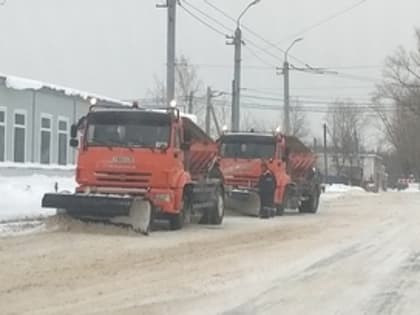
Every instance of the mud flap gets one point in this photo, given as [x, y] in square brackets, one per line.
[139, 217]
[244, 202]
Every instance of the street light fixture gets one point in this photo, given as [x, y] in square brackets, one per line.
[238, 21]
[286, 53]
[286, 69]
[236, 84]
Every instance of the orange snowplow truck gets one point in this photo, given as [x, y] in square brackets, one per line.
[136, 165]
[265, 174]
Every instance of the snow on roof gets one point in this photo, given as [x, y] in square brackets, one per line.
[191, 117]
[256, 134]
[18, 83]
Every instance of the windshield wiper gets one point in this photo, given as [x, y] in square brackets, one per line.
[109, 144]
[141, 145]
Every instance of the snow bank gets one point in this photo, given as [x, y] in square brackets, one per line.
[413, 187]
[37, 166]
[22, 195]
[338, 190]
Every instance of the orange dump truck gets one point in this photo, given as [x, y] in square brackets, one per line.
[267, 173]
[136, 165]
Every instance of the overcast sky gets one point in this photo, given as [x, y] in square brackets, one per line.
[116, 47]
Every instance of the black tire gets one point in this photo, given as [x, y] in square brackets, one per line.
[280, 210]
[265, 213]
[311, 204]
[177, 221]
[215, 214]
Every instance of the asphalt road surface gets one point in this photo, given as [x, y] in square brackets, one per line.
[359, 255]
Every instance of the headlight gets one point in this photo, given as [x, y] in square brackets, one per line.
[163, 197]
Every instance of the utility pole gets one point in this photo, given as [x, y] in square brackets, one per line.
[236, 114]
[208, 105]
[325, 155]
[210, 113]
[286, 88]
[286, 72]
[171, 46]
[236, 85]
[190, 103]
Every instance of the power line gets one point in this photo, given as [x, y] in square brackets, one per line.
[353, 67]
[269, 66]
[318, 88]
[207, 16]
[305, 96]
[324, 21]
[308, 100]
[202, 21]
[269, 43]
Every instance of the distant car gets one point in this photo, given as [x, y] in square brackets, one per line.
[372, 187]
[402, 183]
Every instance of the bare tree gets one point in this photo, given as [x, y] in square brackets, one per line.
[187, 81]
[298, 121]
[188, 84]
[397, 103]
[345, 127]
[158, 93]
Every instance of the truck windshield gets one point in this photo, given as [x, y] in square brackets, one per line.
[128, 129]
[248, 149]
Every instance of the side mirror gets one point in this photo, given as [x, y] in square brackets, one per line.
[73, 131]
[74, 143]
[185, 146]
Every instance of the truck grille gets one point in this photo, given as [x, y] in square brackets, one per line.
[242, 181]
[137, 178]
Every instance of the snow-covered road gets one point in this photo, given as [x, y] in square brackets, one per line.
[359, 254]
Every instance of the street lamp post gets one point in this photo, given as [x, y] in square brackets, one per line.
[236, 84]
[286, 69]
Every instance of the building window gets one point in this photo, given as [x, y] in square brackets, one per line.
[2, 134]
[19, 137]
[46, 130]
[63, 136]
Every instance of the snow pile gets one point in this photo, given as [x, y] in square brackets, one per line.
[338, 190]
[37, 166]
[22, 195]
[413, 187]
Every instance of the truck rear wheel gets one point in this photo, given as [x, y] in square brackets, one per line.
[311, 204]
[215, 214]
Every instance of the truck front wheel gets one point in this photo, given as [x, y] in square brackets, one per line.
[215, 214]
[311, 204]
[178, 220]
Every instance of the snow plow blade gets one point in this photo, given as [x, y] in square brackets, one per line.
[245, 202]
[119, 210]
